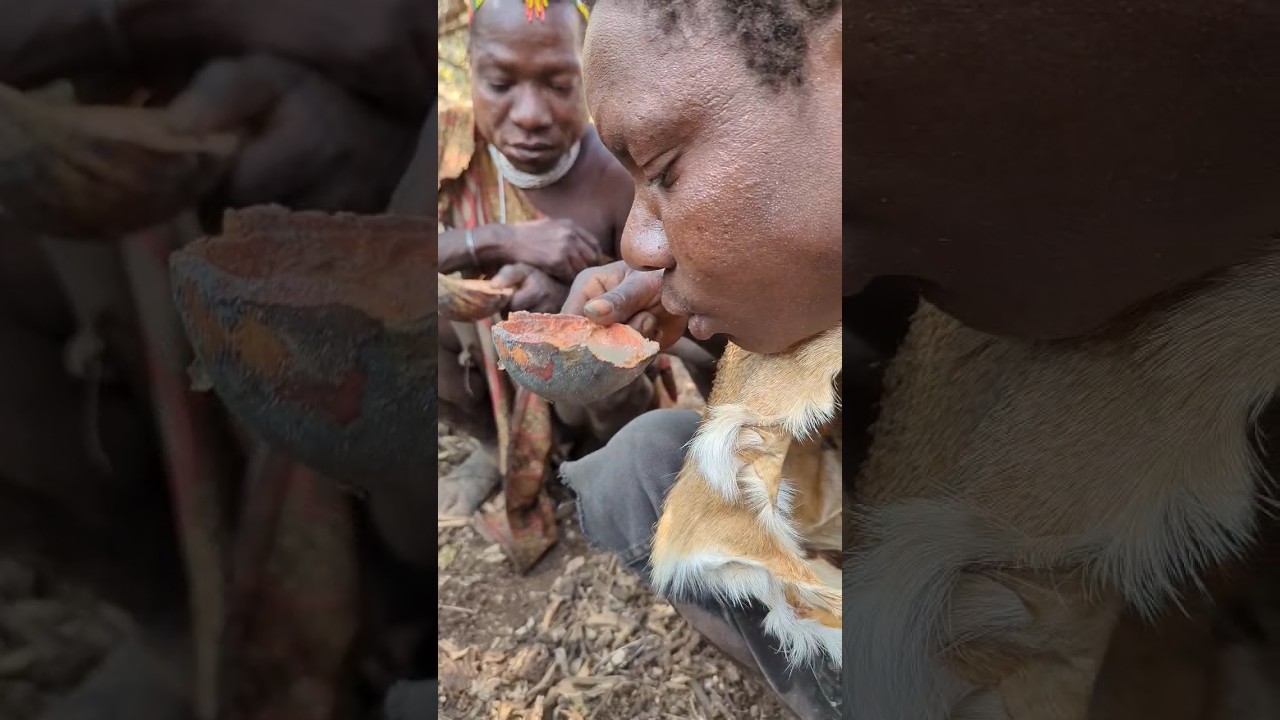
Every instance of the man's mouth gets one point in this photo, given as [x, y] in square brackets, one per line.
[530, 152]
[701, 326]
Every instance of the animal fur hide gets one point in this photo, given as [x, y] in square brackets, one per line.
[760, 494]
[1020, 495]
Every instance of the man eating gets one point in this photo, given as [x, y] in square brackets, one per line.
[727, 116]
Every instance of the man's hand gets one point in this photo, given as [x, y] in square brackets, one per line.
[615, 293]
[557, 247]
[535, 290]
[308, 143]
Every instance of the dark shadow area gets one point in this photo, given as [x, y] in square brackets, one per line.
[159, 559]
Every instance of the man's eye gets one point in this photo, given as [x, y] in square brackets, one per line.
[499, 86]
[665, 179]
[561, 84]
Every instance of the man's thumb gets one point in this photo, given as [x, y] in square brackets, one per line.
[636, 292]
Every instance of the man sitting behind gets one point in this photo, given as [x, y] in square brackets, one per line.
[526, 191]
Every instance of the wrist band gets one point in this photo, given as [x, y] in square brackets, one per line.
[471, 248]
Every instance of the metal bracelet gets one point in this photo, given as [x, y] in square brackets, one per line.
[471, 247]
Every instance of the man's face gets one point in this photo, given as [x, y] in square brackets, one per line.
[737, 184]
[526, 81]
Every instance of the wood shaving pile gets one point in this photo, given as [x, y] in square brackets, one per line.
[51, 636]
[577, 638]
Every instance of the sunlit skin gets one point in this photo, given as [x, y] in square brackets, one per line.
[737, 183]
[527, 100]
[527, 96]
[1045, 166]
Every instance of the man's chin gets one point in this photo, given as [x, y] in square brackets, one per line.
[751, 345]
[768, 345]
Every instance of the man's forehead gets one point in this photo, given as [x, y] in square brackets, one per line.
[622, 29]
[502, 29]
[623, 59]
[636, 77]
[614, 81]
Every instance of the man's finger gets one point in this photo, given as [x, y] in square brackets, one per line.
[527, 297]
[276, 165]
[589, 244]
[578, 263]
[228, 93]
[583, 289]
[636, 292]
[510, 276]
[590, 284]
[645, 323]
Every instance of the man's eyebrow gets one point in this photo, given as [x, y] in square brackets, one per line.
[615, 144]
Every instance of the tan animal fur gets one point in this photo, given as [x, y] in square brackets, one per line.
[759, 491]
[1019, 494]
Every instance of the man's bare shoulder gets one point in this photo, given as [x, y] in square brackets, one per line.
[613, 183]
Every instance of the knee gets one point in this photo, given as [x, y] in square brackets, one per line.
[640, 462]
[621, 486]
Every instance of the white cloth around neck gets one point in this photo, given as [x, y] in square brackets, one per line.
[530, 181]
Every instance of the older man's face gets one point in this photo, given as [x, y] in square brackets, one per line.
[526, 81]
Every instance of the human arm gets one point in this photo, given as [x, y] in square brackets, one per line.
[557, 247]
[489, 243]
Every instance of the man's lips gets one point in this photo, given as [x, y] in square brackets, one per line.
[673, 303]
[530, 149]
[701, 326]
[529, 159]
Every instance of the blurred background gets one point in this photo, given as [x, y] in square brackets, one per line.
[158, 559]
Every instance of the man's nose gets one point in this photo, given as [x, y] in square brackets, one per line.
[644, 241]
[530, 112]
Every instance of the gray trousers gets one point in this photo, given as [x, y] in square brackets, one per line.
[621, 489]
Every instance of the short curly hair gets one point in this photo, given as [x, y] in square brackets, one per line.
[773, 34]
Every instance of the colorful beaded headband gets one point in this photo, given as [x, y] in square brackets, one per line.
[538, 8]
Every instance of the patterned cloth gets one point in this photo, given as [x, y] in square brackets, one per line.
[467, 179]
[468, 185]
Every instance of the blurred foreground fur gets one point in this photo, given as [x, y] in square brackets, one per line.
[1020, 496]
[759, 496]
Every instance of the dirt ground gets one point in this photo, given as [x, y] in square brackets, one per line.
[577, 638]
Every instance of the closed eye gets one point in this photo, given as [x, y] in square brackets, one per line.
[665, 179]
